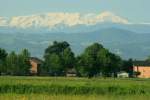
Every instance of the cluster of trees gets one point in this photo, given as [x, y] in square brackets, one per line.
[15, 64]
[58, 58]
[94, 61]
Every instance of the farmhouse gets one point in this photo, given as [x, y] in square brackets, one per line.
[143, 68]
[71, 72]
[35, 63]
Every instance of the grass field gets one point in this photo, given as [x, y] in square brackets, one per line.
[60, 88]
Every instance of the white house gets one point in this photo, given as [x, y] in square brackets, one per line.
[122, 74]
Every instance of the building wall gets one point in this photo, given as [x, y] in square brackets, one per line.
[144, 70]
[71, 75]
[34, 66]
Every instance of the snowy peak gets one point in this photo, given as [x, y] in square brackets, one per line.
[108, 16]
[3, 21]
[50, 20]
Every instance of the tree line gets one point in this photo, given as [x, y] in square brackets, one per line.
[59, 58]
[14, 64]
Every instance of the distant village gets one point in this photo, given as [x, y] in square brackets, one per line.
[59, 60]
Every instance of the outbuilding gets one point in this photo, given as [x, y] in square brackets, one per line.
[35, 64]
[122, 74]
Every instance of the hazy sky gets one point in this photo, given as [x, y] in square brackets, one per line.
[134, 10]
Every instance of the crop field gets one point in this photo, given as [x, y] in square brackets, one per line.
[61, 88]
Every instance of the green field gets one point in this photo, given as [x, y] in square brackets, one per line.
[61, 88]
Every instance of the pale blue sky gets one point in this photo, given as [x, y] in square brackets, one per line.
[134, 10]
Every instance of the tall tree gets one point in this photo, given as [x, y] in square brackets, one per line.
[3, 55]
[11, 63]
[128, 67]
[103, 57]
[55, 64]
[89, 65]
[116, 64]
[96, 60]
[18, 64]
[24, 62]
[58, 57]
[68, 58]
[57, 48]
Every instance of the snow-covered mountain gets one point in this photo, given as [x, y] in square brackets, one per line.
[51, 20]
[68, 23]
[127, 39]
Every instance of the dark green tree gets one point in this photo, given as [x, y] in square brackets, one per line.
[68, 58]
[58, 57]
[115, 64]
[3, 55]
[56, 66]
[128, 67]
[88, 63]
[97, 60]
[57, 48]
[24, 62]
[18, 64]
[11, 63]
[104, 60]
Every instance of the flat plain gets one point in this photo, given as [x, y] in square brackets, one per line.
[64, 88]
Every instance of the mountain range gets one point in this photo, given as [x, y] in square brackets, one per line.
[36, 32]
